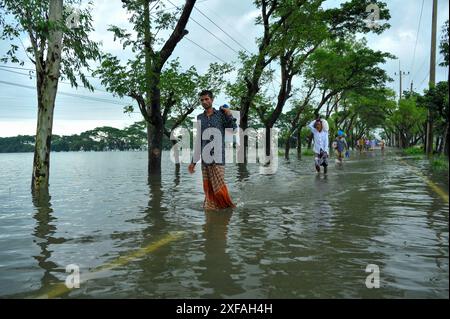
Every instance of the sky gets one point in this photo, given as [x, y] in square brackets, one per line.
[406, 39]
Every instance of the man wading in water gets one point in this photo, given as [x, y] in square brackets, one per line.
[211, 133]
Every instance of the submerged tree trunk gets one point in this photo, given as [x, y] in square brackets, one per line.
[287, 148]
[154, 158]
[41, 161]
[299, 143]
[242, 149]
[268, 149]
[47, 86]
[154, 63]
[310, 138]
[445, 141]
[438, 148]
[176, 154]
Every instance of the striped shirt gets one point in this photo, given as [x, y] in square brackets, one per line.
[219, 121]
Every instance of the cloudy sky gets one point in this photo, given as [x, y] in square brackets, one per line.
[81, 110]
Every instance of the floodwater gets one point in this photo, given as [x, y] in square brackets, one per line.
[294, 234]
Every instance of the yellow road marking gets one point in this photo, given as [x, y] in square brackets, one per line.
[438, 190]
[61, 288]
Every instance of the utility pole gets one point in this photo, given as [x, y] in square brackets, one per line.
[432, 83]
[411, 89]
[400, 73]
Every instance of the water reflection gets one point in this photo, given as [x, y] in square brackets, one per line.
[43, 232]
[217, 267]
[242, 172]
[154, 266]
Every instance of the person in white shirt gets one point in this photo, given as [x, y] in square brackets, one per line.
[319, 128]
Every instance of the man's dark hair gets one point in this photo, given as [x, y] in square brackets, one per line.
[206, 92]
[318, 121]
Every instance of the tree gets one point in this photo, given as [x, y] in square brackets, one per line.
[444, 50]
[57, 50]
[294, 121]
[363, 110]
[444, 46]
[408, 119]
[292, 30]
[337, 68]
[140, 78]
[435, 100]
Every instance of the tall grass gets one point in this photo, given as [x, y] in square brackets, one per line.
[439, 163]
[413, 151]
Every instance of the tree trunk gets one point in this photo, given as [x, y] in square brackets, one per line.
[445, 141]
[155, 136]
[299, 143]
[310, 138]
[154, 63]
[268, 148]
[176, 154]
[41, 161]
[47, 86]
[242, 172]
[243, 140]
[287, 148]
[436, 147]
[429, 138]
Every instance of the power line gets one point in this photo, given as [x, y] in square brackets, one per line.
[417, 38]
[420, 69]
[95, 99]
[34, 70]
[175, 7]
[154, 6]
[193, 42]
[34, 76]
[221, 29]
[199, 24]
[198, 45]
[15, 72]
[423, 80]
[227, 24]
[16, 68]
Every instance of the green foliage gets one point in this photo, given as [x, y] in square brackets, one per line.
[164, 93]
[307, 152]
[413, 151]
[409, 118]
[17, 144]
[351, 16]
[133, 137]
[373, 106]
[31, 18]
[347, 65]
[443, 46]
[440, 163]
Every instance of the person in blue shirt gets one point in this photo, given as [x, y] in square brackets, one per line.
[340, 144]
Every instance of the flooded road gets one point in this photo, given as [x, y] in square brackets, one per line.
[294, 234]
